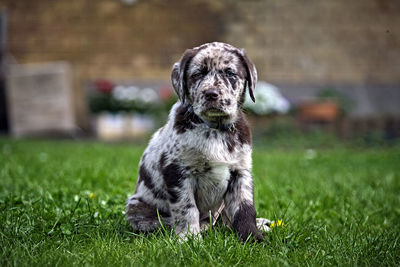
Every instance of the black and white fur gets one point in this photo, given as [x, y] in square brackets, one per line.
[199, 164]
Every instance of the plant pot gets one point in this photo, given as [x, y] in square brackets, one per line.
[327, 111]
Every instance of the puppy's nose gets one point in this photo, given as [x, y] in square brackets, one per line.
[211, 94]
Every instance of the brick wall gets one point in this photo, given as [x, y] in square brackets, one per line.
[109, 39]
[313, 41]
[321, 41]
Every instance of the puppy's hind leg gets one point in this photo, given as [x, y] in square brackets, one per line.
[144, 217]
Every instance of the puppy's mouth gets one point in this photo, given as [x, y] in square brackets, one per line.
[215, 114]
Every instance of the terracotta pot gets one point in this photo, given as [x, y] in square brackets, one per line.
[319, 111]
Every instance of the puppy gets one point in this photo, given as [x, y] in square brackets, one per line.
[198, 166]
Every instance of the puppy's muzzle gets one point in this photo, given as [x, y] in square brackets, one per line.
[211, 95]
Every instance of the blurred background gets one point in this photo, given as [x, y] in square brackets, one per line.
[101, 69]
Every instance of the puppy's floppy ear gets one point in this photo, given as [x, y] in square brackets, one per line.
[178, 75]
[251, 74]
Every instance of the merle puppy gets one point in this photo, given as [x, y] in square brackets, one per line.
[198, 166]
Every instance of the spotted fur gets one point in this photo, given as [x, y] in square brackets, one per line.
[199, 163]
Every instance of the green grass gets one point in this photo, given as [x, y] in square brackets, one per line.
[62, 203]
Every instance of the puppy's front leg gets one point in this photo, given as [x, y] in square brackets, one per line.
[184, 210]
[240, 204]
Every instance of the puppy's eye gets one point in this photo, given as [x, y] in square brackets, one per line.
[229, 73]
[199, 74]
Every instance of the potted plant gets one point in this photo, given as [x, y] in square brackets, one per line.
[328, 106]
[127, 111]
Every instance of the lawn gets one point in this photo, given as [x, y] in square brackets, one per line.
[62, 203]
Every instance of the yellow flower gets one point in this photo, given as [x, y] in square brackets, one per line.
[277, 223]
[91, 195]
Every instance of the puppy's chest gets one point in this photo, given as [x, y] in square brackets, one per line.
[210, 186]
[211, 145]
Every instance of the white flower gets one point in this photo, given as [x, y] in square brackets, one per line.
[310, 154]
[125, 93]
[148, 95]
[268, 99]
[43, 157]
[133, 93]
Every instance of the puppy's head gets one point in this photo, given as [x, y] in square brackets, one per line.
[212, 78]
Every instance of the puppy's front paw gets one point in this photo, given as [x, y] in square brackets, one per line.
[263, 224]
[186, 236]
[190, 232]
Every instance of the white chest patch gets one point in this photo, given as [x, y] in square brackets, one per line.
[210, 188]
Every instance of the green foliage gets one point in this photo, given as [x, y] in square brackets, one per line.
[62, 203]
[346, 104]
